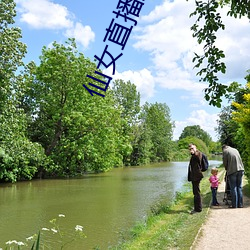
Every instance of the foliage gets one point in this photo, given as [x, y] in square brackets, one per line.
[142, 145]
[207, 24]
[156, 120]
[233, 123]
[227, 127]
[127, 99]
[215, 147]
[149, 131]
[20, 157]
[201, 146]
[12, 50]
[196, 131]
[79, 132]
[241, 115]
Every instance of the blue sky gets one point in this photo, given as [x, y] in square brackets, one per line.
[157, 57]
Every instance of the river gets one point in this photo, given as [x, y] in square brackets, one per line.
[104, 204]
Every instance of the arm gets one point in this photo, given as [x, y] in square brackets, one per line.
[224, 159]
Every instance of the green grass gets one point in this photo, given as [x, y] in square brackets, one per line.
[170, 226]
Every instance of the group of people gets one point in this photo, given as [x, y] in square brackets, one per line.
[234, 167]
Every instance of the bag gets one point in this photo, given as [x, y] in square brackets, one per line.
[204, 163]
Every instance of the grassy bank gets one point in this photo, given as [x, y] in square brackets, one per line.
[170, 227]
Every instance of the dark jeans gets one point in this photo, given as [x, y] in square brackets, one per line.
[235, 182]
[197, 196]
[214, 196]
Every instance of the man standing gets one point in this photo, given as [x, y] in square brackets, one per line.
[235, 170]
[195, 175]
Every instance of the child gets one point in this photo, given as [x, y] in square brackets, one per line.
[214, 185]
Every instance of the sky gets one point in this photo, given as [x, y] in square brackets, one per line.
[158, 54]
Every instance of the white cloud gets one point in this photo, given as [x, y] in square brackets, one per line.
[170, 42]
[165, 33]
[83, 34]
[143, 80]
[234, 41]
[44, 14]
[207, 122]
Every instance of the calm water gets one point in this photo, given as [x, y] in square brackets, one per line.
[104, 204]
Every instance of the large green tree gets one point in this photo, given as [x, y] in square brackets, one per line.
[19, 157]
[196, 131]
[79, 132]
[157, 122]
[227, 127]
[184, 142]
[210, 63]
[127, 99]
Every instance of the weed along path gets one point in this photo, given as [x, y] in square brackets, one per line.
[225, 228]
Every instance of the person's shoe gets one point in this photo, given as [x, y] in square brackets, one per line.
[217, 204]
[194, 212]
[241, 206]
[231, 206]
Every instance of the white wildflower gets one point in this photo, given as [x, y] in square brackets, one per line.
[10, 242]
[54, 230]
[61, 215]
[78, 228]
[29, 238]
[20, 243]
[45, 229]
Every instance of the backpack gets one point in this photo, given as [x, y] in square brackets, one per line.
[204, 163]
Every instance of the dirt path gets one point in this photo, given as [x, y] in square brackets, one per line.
[225, 228]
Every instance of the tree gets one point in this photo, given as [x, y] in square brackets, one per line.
[227, 127]
[196, 131]
[12, 50]
[127, 96]
[20, 158]
[79, 132]
[208, 23]
[128, 101]
[183, 144]
[229, 130]
[242, 117]
[157, 122]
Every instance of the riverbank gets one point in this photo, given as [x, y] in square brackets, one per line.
[173, 227]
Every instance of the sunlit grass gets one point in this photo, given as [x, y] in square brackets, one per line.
[170, 226]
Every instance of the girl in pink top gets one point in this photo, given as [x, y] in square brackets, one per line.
[214, 186]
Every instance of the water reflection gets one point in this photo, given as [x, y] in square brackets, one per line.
[105, 204]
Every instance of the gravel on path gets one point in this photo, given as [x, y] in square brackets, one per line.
[225, 228]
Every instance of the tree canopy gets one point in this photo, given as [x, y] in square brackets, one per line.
[196, 131]
[205, 29]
